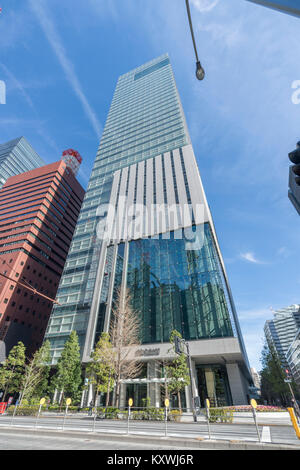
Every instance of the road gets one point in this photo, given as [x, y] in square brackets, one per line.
[31, 442]
[240, 432]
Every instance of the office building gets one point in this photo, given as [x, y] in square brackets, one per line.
[38, 214]
[17, 156]
[146, 157]
[256, 379]
[285, 6]
[281, 331]
[293, 359]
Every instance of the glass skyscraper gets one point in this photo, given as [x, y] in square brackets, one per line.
[282, 329]
[146, 156]
[17, 156]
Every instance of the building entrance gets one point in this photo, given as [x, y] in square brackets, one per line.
[213, 384]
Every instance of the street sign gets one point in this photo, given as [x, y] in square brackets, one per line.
[167, 403]
[207, 402]
[130, 402]
[42, 401]
[253, 403]
[288, 381]
[68, 401]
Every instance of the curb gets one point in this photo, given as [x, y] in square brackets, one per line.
[196, 444]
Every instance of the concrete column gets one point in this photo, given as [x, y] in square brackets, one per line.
[123, 403]
[210, 384]
[153, 389]
[90, 394]
[236, 383]
[188, 398]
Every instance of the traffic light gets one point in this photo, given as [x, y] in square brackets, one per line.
[288, 375]
[294, 156]
[177, 345]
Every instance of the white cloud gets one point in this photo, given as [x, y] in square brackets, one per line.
[55, 42]
[255, 314]
[15, 84]
[250, 257]
[204, 5]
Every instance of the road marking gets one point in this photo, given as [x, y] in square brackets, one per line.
[266, 434]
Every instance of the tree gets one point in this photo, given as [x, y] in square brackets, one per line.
[11, 373]
[36, 373]
[124, 333]
[177, 372]
[100, 370]
[68, 377]
[273, 387]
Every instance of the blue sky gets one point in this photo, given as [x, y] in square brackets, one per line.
[61, 59]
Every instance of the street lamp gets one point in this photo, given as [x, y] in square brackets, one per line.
[200, 74]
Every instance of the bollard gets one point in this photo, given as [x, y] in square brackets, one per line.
[40, 407]
[128, 418]
[42, 402]
[95, 417]
[68, 402]
[167, 403]
[294, 421]
[130, 403]
[207, 406]
[15, 410]
[166, 421]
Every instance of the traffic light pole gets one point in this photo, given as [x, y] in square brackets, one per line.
[191, 380]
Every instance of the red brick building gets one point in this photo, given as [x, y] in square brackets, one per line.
[38, 215]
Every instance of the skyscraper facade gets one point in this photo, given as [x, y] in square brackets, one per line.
[176, 279]
[293, 358]
[17, 156]
[282, 329]
[286, 6]
[38, 214]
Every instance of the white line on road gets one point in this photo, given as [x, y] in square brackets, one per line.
[266, 434]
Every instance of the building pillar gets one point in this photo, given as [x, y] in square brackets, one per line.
[188, 398]
[237, 385]
[123, 403]
[153, 389]
[90, 395]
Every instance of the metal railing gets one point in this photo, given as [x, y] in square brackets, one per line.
[212, 423]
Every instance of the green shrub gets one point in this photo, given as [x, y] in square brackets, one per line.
[23, 410]
[109, 413]
[220, 415]
[174, 415]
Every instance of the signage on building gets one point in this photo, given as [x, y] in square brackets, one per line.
[147, 352]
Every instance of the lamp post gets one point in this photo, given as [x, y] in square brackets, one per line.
[200, 74]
